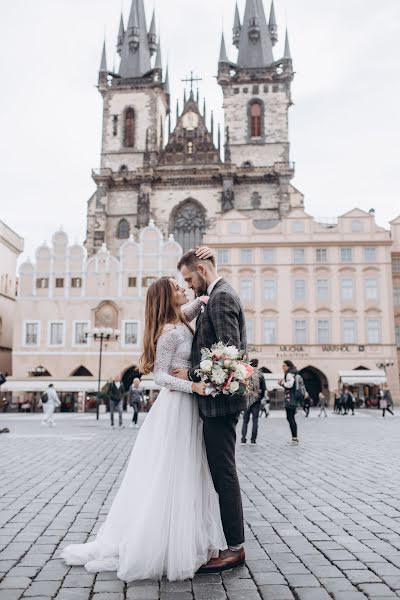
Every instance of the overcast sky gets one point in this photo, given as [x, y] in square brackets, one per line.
[344, 124]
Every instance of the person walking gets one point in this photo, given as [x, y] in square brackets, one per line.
[323, 403]
[254, 410]
[307, 404]
[350, 402]
[336, 406]
[294, 389]
[116, 393]
[386, 401]
[265, 408]
[50, 401]
[136, 396]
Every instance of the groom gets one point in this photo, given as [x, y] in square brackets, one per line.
[222, 320]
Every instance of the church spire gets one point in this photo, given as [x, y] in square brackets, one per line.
[103, 64]
[237, 27]
[287, 54]
[222, 54]
[135, 52]
[121, 35]
[255, 44]
[273, 28]
[152, 36]
[158, 63]
[166, 81]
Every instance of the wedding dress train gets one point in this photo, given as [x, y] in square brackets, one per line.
[165, 518]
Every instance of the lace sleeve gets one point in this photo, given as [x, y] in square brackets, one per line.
[166, 347]
[192, 310]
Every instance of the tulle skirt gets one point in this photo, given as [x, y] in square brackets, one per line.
[165, 518]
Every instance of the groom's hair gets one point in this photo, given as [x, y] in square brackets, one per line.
[190, 260]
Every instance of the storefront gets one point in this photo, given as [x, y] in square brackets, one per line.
[364, 383]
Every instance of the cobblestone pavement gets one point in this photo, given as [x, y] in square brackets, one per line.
[322, 519]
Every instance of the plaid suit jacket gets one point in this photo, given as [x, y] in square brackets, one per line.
[222, 320]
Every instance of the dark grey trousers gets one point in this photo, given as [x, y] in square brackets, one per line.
[220, 441]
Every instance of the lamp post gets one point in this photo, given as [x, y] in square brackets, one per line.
[385, 364]
[101, 334]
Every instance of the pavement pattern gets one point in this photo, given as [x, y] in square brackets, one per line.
[322, 519]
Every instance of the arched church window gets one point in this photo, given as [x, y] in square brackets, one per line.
[188, 224]
[129, 128]
[256, 124]
[123, 229]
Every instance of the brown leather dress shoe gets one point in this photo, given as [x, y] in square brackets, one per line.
[226, 560]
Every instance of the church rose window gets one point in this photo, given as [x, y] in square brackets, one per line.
[255, 119]
[123, 229]
[129, 130]
[189, 225]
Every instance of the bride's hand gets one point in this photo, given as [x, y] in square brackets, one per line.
[204, 252]
[199, 388]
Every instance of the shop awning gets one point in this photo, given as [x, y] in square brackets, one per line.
[71, 384]
[271, 380]
[363, 377]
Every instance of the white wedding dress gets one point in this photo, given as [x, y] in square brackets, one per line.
[165, 518]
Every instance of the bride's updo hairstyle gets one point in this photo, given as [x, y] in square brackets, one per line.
[161, 309]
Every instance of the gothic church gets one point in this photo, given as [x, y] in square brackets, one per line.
[186, 177]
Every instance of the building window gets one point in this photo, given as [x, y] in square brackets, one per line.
[188, 223]
[129, 130]
[59, 282]
[31, 337]
[131, 332]
[298, 256]
[42, 283]
[396, 264]
[396, 296]
[223, 256]
[56, 337]
[347, 289]
[269, 290]
[269, 256]
[322, 255]
[115, 125]
[398, 336]
[76, 282]
[322, 289]
[256, 114]
[298, 227]
[269, 331]
[373, 331]
[132, 282]
[300, 331]
[246, 289]
[98, 237]
[349, 331]
[371, 289]
[123, 230]
[80, 329]
[346, 255]
[250, 331]
[356, 226]
[370, 255]
[190, 148]
[323, 331]
[147, 281]
[246, 256]
[299, 289]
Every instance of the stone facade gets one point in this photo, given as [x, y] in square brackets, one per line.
[319, 295]
[11, 246]
[147, 170]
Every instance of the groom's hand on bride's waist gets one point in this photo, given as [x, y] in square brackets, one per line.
[181, 374]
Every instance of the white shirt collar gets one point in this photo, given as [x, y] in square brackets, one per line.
[212, 286]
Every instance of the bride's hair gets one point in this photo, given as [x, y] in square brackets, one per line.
[161, 310]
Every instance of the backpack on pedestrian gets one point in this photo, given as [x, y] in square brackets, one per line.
[44, 397]
[300, 389]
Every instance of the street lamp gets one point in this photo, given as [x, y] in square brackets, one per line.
[385, 364]
[101, 334]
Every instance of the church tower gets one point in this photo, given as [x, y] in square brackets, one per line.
[257, 96]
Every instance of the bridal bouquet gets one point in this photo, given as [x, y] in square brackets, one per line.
[224, 371]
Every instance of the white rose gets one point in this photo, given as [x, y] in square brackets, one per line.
[231, 352]
[233, 387]
[227, 364]
[240, 371]
[218, 376]
[206, 365]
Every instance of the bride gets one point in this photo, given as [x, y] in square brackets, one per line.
[165, 518]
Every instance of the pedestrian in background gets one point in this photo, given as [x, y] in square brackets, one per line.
[307, 404]
[136, 396]
[323, 403]
[50, 401]
[294, 389]
[386, 401]
[336, 406]
[254, 410]
[265, 405]
[116, 392]
[350, 402]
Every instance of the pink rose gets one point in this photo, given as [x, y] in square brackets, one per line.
[204, 299]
